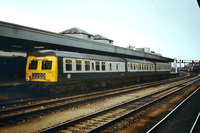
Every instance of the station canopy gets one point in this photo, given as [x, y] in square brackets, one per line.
[27, 39]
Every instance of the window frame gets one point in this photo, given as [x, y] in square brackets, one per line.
[78, 65]
[35, 68]
[117, 67]
[44, 66]
[110, 66]
[103, 66]
[70, 64]
[87, 65]
[97, 66]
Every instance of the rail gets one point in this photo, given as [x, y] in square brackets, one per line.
[100, 120]
[67, 102]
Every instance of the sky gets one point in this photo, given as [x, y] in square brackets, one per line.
[168, 27]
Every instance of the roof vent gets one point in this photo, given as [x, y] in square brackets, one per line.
[78, 33]
[103, 39]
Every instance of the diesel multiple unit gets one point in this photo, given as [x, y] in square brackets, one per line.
[61, 71]
[60, 66]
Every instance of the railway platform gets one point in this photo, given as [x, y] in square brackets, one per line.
[11, 88]
[11, 82]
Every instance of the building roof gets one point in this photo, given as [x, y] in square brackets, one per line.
[76, 30]
[100, 37]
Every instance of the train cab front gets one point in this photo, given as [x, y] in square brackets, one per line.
[42, 69]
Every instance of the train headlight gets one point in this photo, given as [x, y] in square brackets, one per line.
[28, 78]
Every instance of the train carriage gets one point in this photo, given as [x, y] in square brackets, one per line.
[139, 67]
[56, 66]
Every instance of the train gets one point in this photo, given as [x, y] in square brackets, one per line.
[71, 70]
[195, 69]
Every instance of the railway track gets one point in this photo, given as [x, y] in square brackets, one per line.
[162, 124]
[101, 120]
[17, 114]
[18, 102]
[6, 104]
[21, 102]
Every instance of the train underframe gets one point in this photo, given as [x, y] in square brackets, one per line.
[85, 86]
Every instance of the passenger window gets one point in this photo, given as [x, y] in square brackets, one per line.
[78, 65]
[103, 66]
[68, 65]
[33, 64]
[117, 66]
[93, 66]
[134, 66]
[139, 66]
[46, 65]
[110, 66]
[158, 67]
[87, 65]
[97, 66]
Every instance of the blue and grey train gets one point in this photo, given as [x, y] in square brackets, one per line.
[67, 68]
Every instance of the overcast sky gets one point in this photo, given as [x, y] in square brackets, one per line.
[168, 27]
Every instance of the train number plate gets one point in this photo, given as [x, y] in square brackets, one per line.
[38, 75]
